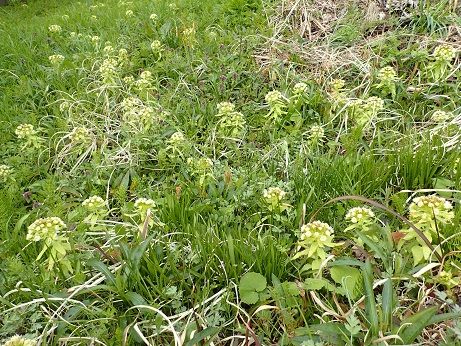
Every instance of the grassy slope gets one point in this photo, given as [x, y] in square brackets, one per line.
[212, 234]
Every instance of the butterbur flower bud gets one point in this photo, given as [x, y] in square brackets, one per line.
[5, 172]
[94, 204]
[17, 340]
[274, 195]
[142, 205]
[440, 116]
[79, 135]
[156, 46]
[153, 17]
[316, 133]
[95, 39]
[274, 97]
[25, 131]
[225, 107]
[314, 238]
[444, 53]
[177, 139]
[424, 209]
[56, 59]
[300, 88]
[129, 13]
[337, 84]
[45, 229]
[360, 215]
[387, 75]
[54, 28]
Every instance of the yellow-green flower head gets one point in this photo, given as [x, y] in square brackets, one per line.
[25, 131]
[94, 203]
[153, 17]
[146, 75]
[73, 34]
[95, 39]
[440, 116]
[225, 107]
[173, 6]
[65, 17]
[300, 88]
[54, 28]
[446, 278]
[274, 97]
[128, 80]
[131, 104]
[5, 172]
[156, 46]
[177, 139]
[444, 53]
[424, 208]
[317, 232]
[46, 228]
[233, 120]
[108, 49]
[387, 74]
[316, 132]
[274, 195]
[56, 59]
[93, 17]
[142, 205]
[374, 104]
[79, 135]
[108, 69]
[123, 54]
[19, 341]
[360, 215]
[129, 13]
[337, 84]
[204, 164]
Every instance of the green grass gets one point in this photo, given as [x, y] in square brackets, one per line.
[173, 277]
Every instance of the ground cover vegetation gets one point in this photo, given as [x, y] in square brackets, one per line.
[230, 172]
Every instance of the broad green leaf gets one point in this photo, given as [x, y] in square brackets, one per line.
[412, 326]
[349, 278]
[370, 302]
[202, 335]
[250, 286]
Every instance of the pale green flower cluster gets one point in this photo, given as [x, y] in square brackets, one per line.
[231, 122]
[202, 168]
[18, 340]
[188, 36]
[108, 70]
[54, 28]
[316, 133]
[144, 81]
[56, 59]
[25, 131]
[274, 97]
[108, 49]
[300, 88]
[360, 215]
[45, 229]
[135, 112]
[314, 238]
[177, 139]
[94, 204]
[387, 75]
[440, 116]
[5, 172]
[95, 39]
[129, 13]
[143, 205]
[274, 195]
[337, 84]
[444, 53]
[364, 111]
[65, 17]
[277, 104]
[156, 46]
[424, 209]
[153, 17]
[122, 55]
[79, 135]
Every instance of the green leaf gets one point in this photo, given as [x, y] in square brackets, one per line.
[202, 335]
[370, 302]
[250, 286]
[412, 326]
[349, 278]
[313, 284]
[101, 267]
